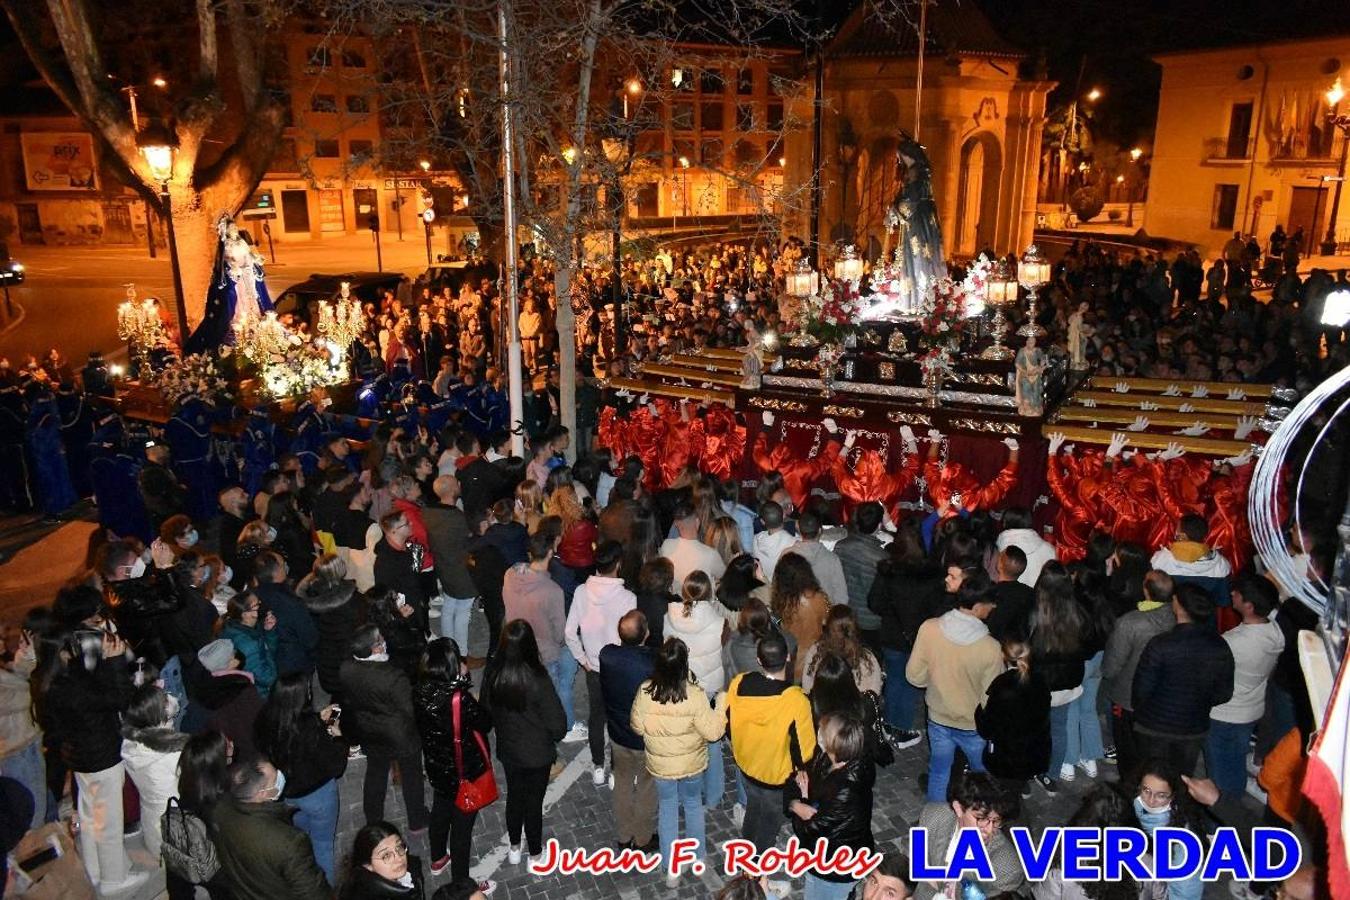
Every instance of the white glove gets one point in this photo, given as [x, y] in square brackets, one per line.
[934, 435]
[1121, 388]
[1011, 444]
[1186, 407]
[1056, 441]
[624, 393]
[1199, 391]
[830, 425]
[1118, 442]
[767, 419]
[1236, 394]
[1070, 448]
[1149, 406]
[907, 435]
[1241, 459]
[1172, 391]
[1172, 452]
[1128, 455]
[1245, 426]
[1140, 423]
[644, 400]
[651, 408]
[1196, 430]
[1089, 403]
[849, 438]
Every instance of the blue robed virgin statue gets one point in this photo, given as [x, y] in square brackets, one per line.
[237, 291]
[913, 218]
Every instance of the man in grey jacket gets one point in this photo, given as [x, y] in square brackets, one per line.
[980, 803]
[1131, 635]
[824, 564]
[859, 554]
[448, 534]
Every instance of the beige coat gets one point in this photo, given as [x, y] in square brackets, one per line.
[676, 735]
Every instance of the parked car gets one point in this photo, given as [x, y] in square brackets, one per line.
[11, 270]
[454, 274]
[300, 299]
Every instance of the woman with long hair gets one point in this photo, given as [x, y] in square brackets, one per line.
[1161, 799]
[1085, 729]
[150, 751]
[642, 544]
[1126, 585]
[907, 592]
[203, 780]
[676, 721]
[739, 582]
[529, 505]
[256, 639]
[841, 637]
[1058, 652]
[530, 721]
[217, 589]
[332, 602]
[1014, 720]
[448, 717]
[393, 615]
[306, 747]
[723, 536]
[835, 690]
[798, 603]
[1104, 807]
[382, 867]
[698, 620]
[654, 596]
[576, 549]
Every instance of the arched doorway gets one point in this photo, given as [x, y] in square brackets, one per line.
[876, 186]
[978, 193]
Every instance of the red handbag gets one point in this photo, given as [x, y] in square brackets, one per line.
[472, 794]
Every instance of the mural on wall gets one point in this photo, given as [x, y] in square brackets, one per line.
[59, 161]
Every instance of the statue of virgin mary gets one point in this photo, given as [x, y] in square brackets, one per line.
[238, 290]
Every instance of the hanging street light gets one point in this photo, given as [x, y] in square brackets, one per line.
[159, 145]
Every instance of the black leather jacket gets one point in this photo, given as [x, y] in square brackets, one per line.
[843, 802]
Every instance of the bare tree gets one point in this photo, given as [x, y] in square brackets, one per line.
[228, 124]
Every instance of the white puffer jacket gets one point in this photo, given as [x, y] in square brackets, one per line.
[701, 631]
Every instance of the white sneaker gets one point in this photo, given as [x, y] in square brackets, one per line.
[578, 732]
[487, 888]
[1089, 767]
[611, 781]
[513, 855]
[738, 815]
[133, 882]
[598, 776]
[673, 880]
[778, 889]
[1066, 772]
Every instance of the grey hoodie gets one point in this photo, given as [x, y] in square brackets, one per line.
[536, 598]
[827, 568]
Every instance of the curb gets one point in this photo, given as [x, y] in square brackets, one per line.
[18, 318]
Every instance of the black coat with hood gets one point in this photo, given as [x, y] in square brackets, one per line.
[432, 707]
[336, 611]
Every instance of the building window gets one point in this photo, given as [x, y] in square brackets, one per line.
[748, 155]
[710, 154]
[353, 60]
[357, 104]
[326, 149]
[319, 58]
[780, 80]
[683, 150]
[774, 119]
[1240, 131]
[323, 103]
[710, 82]
[1225, 207]
[712, 115]
[745, 117]
[360, 151]
[682, 116]
[745, 81]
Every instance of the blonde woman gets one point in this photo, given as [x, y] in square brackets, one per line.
[576, 550]
[529, 504]
[697, 620]
[1014, 720]
[723, 536]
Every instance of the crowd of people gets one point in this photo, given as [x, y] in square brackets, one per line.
[250, 618]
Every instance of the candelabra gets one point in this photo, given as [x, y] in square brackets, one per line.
[262, 339]
[139, 324]
[1032, 272]
[343, 320]
[1000, 291]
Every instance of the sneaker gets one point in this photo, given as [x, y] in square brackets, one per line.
[1109, 756]
[1066, 772]
[673, 880]
[1089, 767]
[487, 887]
[598, 776]
[738, 815]
[903, 740]
[131, 884]
[1048, 783]
[355, 752]
[611, 781]
[513, 855]
[779, 889]
[578, 732]
[440, 865]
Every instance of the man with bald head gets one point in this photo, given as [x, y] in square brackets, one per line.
[623, 668]
[448, 534]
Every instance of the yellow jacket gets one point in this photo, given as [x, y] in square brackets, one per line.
[676, 735]
[772, 731]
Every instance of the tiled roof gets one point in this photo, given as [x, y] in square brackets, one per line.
[953, 27]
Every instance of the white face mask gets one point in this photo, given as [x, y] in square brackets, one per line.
[171, 707]
[226, 576]
[271, 534]
[137, 569]
[189, 540]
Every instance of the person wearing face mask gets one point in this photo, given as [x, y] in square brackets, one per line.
[191, 627]
[1161, 799]
[178, 533]
[381, 866]
[977, 801]
[150, 751]
[234, 515]
[262, 855]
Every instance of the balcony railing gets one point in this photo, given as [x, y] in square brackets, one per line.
[1324, 149]
[1227, 149]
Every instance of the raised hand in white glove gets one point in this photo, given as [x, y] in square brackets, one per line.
[849, 438]
[907, 435]
[1199, 391]
[1173, 451]
[1245, 426]
[934, 435]
[1186, 408]
[645, 400]
[1140, 423]
[1118, 442]
[767, 419]
[1089, 403]
[1056, 441]
[1196, 430]
[1236, 394]
[1070, 448]
[651, 408]
[1241, 459]
[1149, 406]
[1172, 391]
[830, 425]
[1121, 388]
[1011, 444]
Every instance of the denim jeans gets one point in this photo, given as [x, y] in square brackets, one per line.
[764, 816]
[820, 889]
[1084, 728]
[715, 776]
[740, 785]
[942, 743]
[317, 816]
[1226, 754]
[671, 794]
[900, 697]
[562, 672]
[455, 621]
[27, 767]
[1059, 738]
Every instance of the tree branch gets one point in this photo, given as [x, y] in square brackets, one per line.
[209, 62]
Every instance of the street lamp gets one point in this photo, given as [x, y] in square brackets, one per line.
[1094, 95]
[158, 145]
[426, 166]
[632, 88]
[1335, 94]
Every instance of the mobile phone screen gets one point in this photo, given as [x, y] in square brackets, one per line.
[39, 859]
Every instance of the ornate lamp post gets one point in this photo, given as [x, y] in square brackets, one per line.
[1032, 272]
[158, 145]
[1000, 291]
[1340, 120]
[849, 266]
